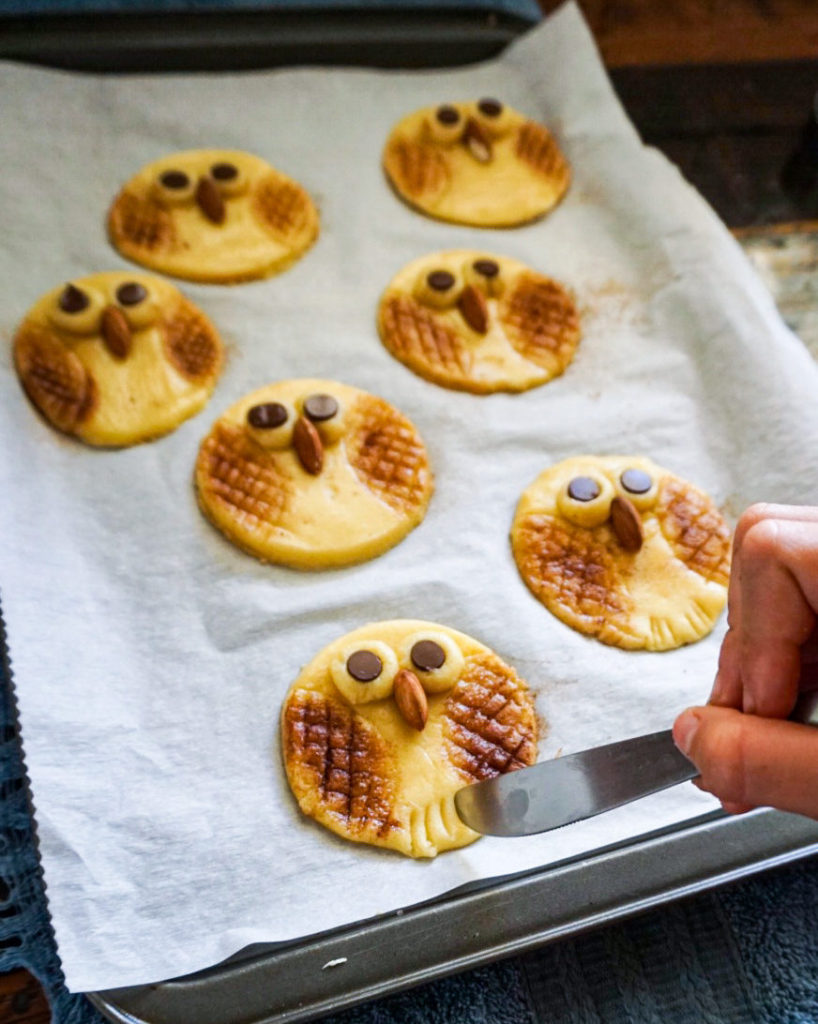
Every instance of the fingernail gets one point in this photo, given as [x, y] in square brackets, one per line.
[684, 729]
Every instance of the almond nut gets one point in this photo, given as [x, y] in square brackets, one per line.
[474, 309]
[411, 699]
[115, 331]
[475, 140]
[626, 524]
[210, 200]
[308, 445]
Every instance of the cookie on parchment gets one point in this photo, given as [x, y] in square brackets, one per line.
[478, 322]
[384, 725]
[479, 163]
[624, 551]
[313, 474]
[212, 215]
[117, 358]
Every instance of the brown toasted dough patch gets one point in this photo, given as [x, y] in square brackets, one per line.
[192, 344]
[541, 321]
[53, 378]
[537, 148]
[338, 765]
[417, 338]
[489, 725]
[388, 455]
[242, 477]
[694, 529]
[418, 171]
[283, 206]
[571, 570]
[139, 223]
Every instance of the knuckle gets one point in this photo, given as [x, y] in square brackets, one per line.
[761, 541]
[752, 515]
[725, 762]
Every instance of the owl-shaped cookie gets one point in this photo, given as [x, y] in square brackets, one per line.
[479, 163]
[478, 322]
[313, 474]
[382, 728]
[117, 358]
[213, 215]
[624, 551]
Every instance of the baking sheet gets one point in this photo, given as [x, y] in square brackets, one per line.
[150, 657]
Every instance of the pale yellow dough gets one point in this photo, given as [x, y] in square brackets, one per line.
[532, 324]
[373, 488]
[668, 593]
[269, 220]
[433, 168]
[357, 766]
[108, 397]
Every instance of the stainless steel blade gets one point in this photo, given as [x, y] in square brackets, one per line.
[567, 789]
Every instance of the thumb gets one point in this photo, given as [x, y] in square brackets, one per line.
[747, 761]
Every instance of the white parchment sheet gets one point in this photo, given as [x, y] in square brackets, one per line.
[150, 657]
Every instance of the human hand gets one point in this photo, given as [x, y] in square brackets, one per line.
[747, 753]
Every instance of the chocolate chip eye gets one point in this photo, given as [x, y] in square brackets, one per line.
[637, 481]
[440, 280]
[224, 172]
[447, 114]
[490, 107]
[486, 268]
[174, 179]
[131, 293]
[364, 666]
[267, 416]
[427, 655]
[583, 488]
[73, 300]
[320, 408]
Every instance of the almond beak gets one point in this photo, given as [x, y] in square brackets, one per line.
[115, 331]
[410, 698]
[626, 524]
[476, 142]
[308, 445]
[210, 201]
[474, 309]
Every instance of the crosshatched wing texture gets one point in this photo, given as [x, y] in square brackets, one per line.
[221, 216]
[117, 358]
[362, 765]
[479, 163]
[313, 474]
[622, 550]
[475, 321]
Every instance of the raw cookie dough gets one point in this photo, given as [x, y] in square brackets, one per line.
[117, 358]
[477, 322]
[477, 163]
[213, 215]
[382, 728]
[313, 474]
[624, 551]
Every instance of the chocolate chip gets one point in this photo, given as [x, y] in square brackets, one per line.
[447, 114]
[224, 172]
[440, 280]
[72, 300]
[267, 415]
[174, 179]
[490, 107]
[427, 655]
[488, 268]
[320, 407]
[130, 293]
[637, 481]
[364, 666]
[583, 488]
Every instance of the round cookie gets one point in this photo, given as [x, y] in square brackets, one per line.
[213, 215]
[117, 358]
[477, 322]
[313, 474]
[624, 551]
[382, 728]
[479, 163]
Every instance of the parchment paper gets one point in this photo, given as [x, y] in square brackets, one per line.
[150, 657]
